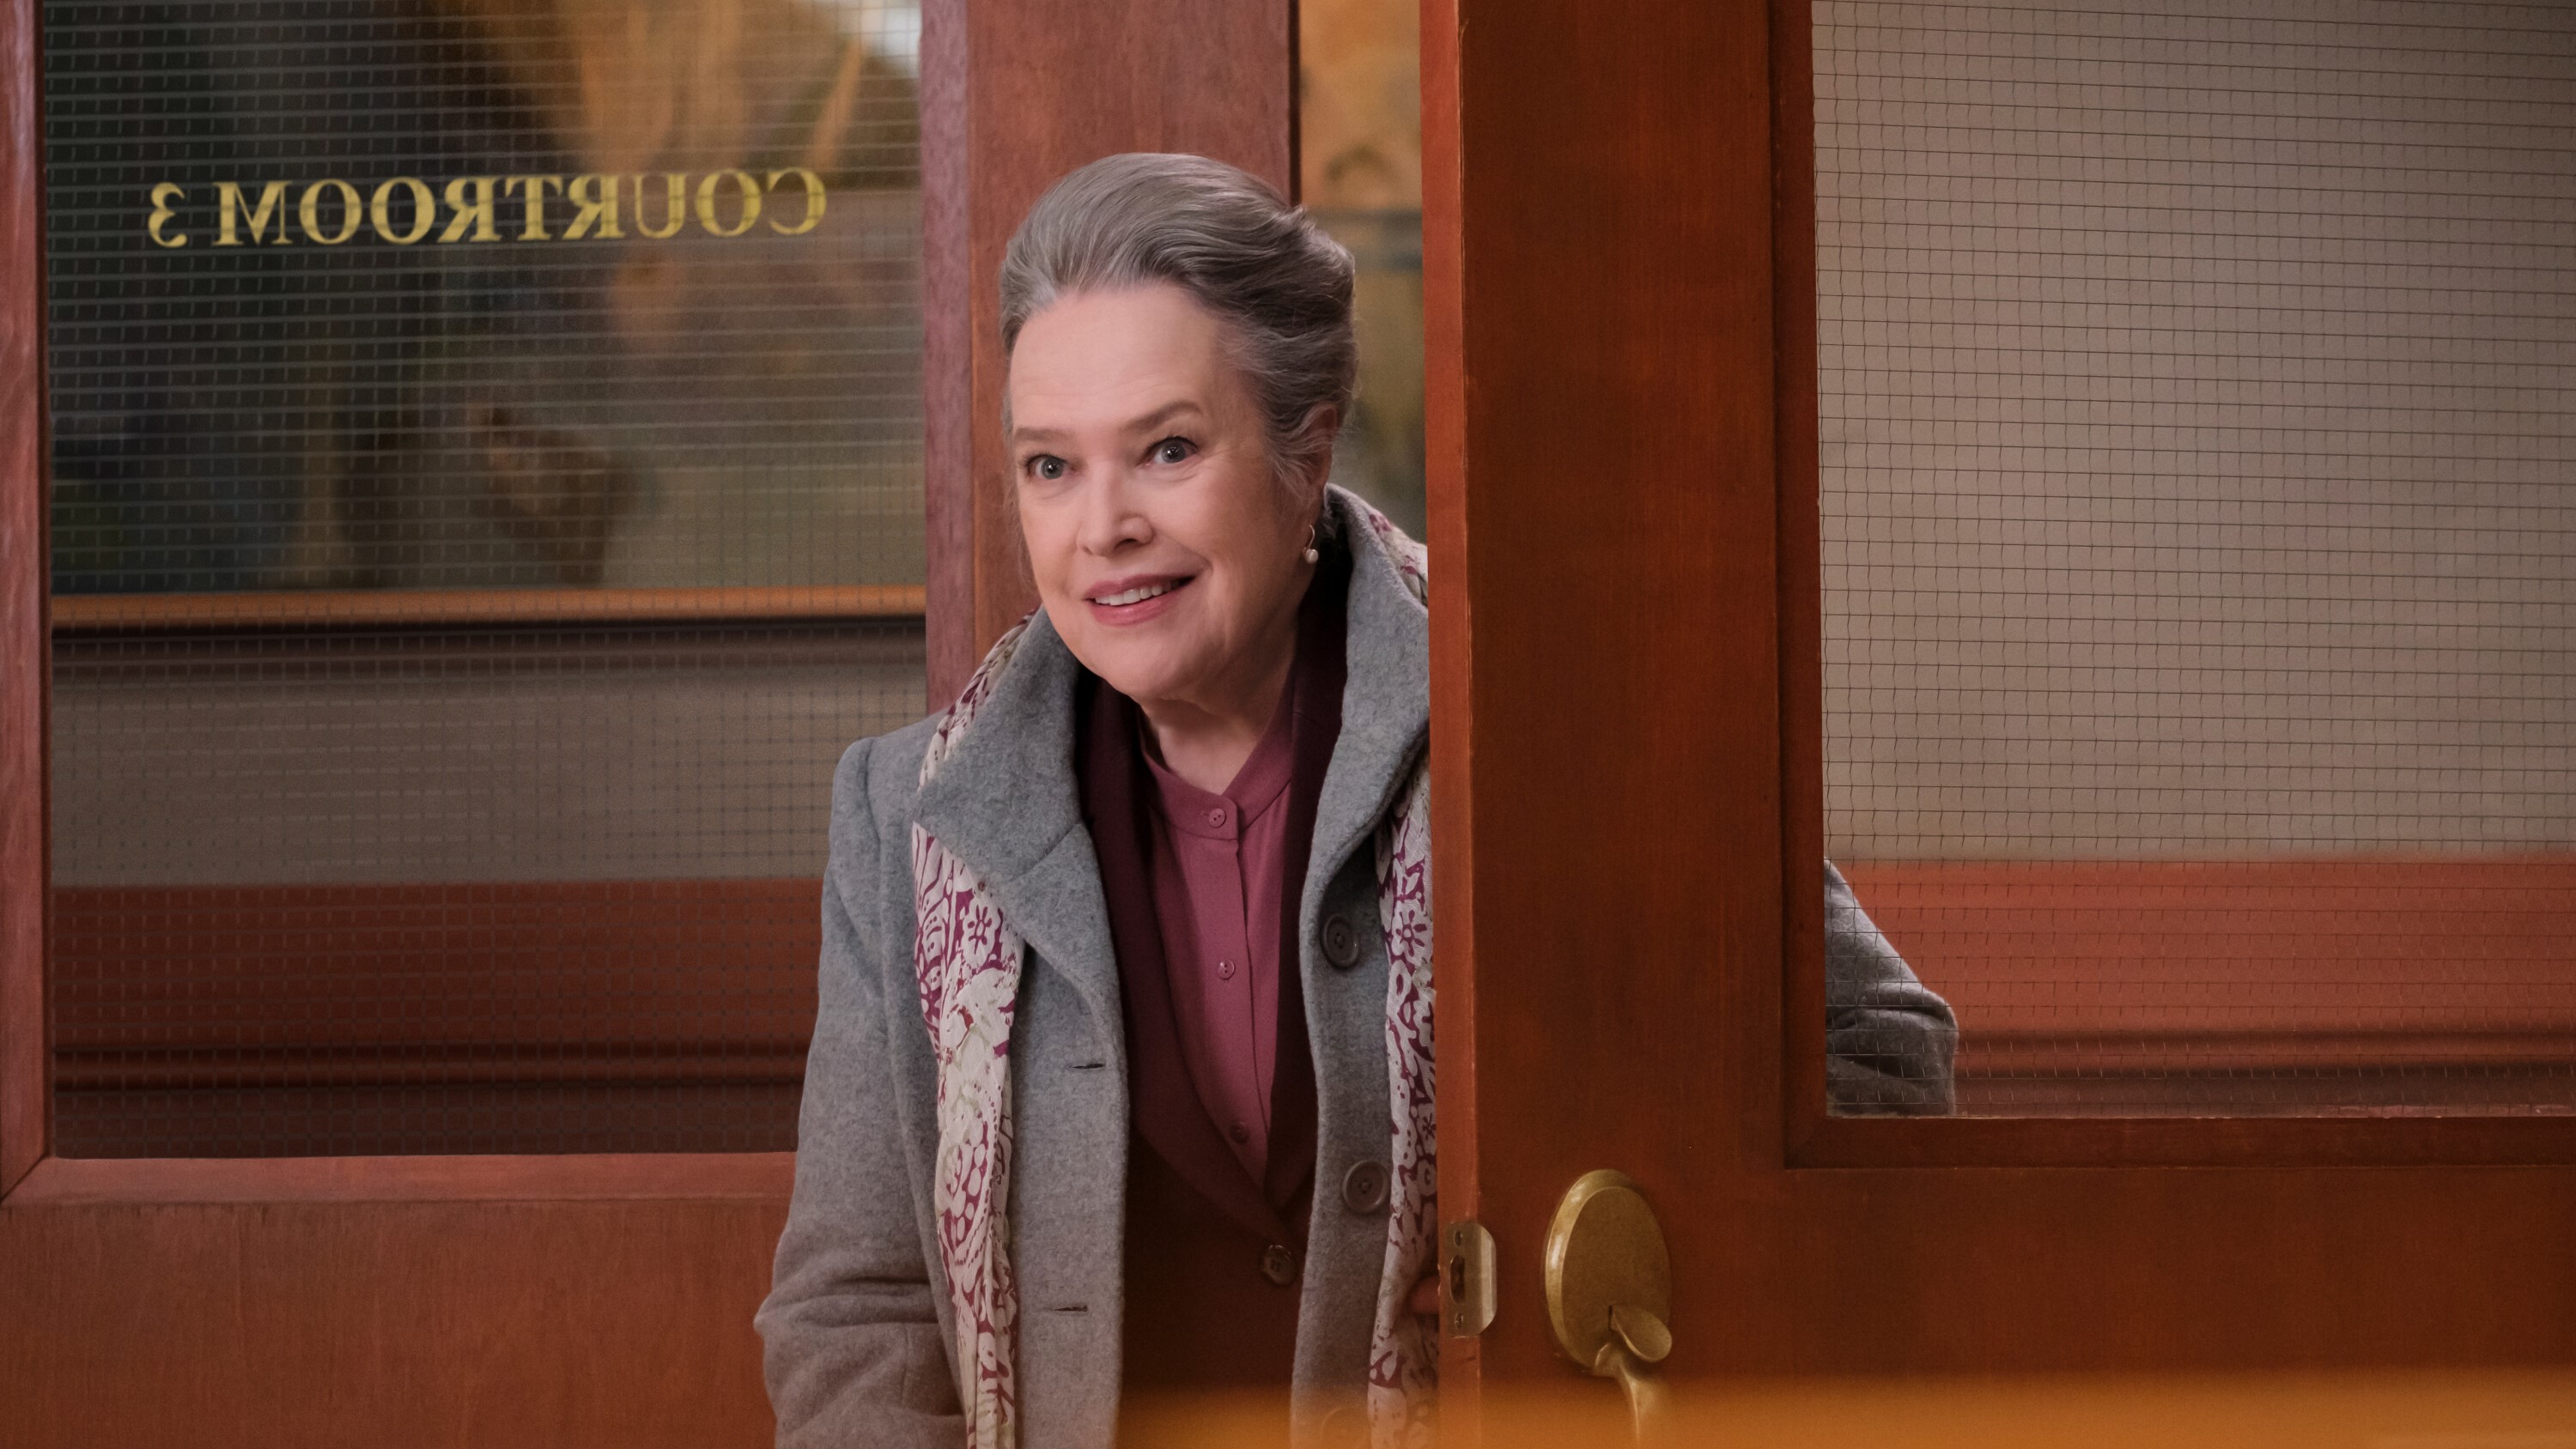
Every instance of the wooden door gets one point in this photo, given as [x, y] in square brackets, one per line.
[1620, 262]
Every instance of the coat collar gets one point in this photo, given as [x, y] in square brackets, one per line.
[1007, 804]
[1386, 701]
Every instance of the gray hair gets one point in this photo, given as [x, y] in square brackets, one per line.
[1227, 239]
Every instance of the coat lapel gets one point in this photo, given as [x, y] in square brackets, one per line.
[1007, 806]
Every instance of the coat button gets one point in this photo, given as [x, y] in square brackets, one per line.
[1364, 1187]
[1279, 1264]
[1341, 942]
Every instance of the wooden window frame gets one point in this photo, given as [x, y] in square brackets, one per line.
[1813, 1138]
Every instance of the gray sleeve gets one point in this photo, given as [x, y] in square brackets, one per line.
[853, 1348]
[1888, 1039]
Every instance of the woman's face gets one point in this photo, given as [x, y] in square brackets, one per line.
[1165, 550]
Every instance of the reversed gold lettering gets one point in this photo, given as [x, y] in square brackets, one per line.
[587, 210]
[707, 202]
[478, 211]
[675, 205]
[162, 196]
[813, 185]
[424, 210]
[533, 189]
[272, 202]
[352, 211]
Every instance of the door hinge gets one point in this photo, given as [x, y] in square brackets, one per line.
[1466, 1278]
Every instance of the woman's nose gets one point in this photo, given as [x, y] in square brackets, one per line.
[1110, 520]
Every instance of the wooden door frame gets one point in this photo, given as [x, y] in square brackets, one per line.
[24, 644]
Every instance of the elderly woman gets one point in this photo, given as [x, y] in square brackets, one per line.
[1120, 1081]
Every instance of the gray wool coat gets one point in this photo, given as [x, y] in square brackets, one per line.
[857, 1321]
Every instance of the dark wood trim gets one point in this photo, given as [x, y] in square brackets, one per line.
[1453, 659]
[1801, 563]
[478, 608]
[947, 353]
[23, 586]
[1014, 93]
[2254, 1143]
[590, 1177]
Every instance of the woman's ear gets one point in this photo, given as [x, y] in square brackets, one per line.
[1315, 437]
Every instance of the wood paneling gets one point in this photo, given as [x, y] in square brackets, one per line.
[2106, 967]
[501, 974]
[553, 1016]
[1015, 93]
[22, 602]
[2488, 1410]
[619, 1324]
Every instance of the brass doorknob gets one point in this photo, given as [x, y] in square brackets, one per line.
[1610, 1292]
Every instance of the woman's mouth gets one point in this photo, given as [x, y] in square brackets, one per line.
[1132, 601]
[1136, 595]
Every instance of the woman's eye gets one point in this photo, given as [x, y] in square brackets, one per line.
[1173, 450]
[1046, 467]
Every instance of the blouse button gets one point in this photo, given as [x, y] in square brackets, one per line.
[1240, 1133]
[1279, 1264]
[1216, 817]
[1225, 971]
[1341, 943]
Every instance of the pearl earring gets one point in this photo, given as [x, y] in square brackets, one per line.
[1311, 555]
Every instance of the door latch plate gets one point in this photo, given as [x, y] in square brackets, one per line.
[1466, 1278]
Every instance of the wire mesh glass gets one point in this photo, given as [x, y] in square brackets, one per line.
[486, 499]
[2198, 393]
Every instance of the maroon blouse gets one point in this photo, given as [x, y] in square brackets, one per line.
[1203, 891]
[1215, 860]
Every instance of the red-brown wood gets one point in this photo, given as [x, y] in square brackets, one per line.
[1453, 861]
[1601, 494]
[615, 1324]
[1014, 93]
[611, 976]
[1800, 541]
[1623, 767]
[763, 1177]
[2241, 965]
[22, 602]
[558, 1016]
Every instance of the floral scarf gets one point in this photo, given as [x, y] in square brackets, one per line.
[967, 961]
